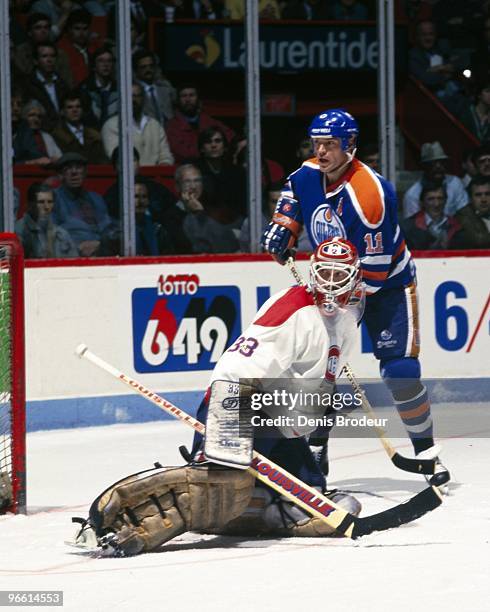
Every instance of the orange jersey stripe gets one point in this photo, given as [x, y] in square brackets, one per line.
[367, 193]
[374, 275]
[415, 348]
[399, 249]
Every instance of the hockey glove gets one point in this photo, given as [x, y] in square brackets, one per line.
[282, 232]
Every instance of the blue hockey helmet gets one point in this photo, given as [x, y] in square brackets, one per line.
[335, 123]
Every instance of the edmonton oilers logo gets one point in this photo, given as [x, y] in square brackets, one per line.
[326, 224]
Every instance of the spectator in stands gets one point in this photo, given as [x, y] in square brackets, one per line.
[100, 88]
[272, 171]
[307, 10]
[203, 232]
[431, 228]
[40, 237]
[469, 168]
[161, 199]
[431, 62]
[159, 93]
[58, 12]
[482, 160]
[33, 113]
[349, 10]
[83, 213]
[152, 238]
[38, 29]
[476, 224]
[78, 43]
[148, 135]
[476, 116]
[304, 150]
[369, 155]
[432, 161]
[269, 200]
[24, 145]
[224, 181]
[189, 120]
[73, 136]
[45, 85]
[480, 197]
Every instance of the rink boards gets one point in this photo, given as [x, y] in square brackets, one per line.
[166, 322]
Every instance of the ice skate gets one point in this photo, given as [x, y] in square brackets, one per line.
[441, 476]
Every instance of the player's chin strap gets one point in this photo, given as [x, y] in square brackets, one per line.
[350, 156]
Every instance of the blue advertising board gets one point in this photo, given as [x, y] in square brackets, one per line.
[181, 326]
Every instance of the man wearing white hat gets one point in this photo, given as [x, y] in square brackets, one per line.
[432, 158]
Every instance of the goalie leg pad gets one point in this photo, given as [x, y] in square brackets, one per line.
[270, 515]
[150, 508]
[287, 520]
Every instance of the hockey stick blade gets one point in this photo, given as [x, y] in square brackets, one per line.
[417, 466]
[425, 501]
[286, 484]
[407, 464]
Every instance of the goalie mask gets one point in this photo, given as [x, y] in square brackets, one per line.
[335, 277]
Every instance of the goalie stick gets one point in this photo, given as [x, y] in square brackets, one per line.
[416, 466]
[286, 484]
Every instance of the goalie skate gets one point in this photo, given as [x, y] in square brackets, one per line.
[84, 536]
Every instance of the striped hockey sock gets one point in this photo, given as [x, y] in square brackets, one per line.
[415, 414]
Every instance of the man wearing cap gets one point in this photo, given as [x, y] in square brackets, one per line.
[83, 214]
[432, 159]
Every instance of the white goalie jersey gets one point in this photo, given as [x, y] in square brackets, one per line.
[289, 338]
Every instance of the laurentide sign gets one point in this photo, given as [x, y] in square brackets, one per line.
[331, 47]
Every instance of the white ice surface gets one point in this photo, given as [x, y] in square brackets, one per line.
[441, 562]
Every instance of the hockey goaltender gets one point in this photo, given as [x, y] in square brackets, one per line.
[300, 332]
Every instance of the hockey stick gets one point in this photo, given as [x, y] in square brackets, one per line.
[288, 485]
[417, 466]
[294, 271]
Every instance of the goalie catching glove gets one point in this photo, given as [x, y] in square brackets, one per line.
[281, 235]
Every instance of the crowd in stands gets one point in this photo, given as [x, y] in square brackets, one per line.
[65, 107]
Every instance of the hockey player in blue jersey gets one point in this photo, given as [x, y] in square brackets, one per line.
[334, 194]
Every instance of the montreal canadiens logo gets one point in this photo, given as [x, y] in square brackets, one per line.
[326, 224]
[287, 207]
[332, 362]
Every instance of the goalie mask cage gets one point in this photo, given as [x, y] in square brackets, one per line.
[12, 376]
